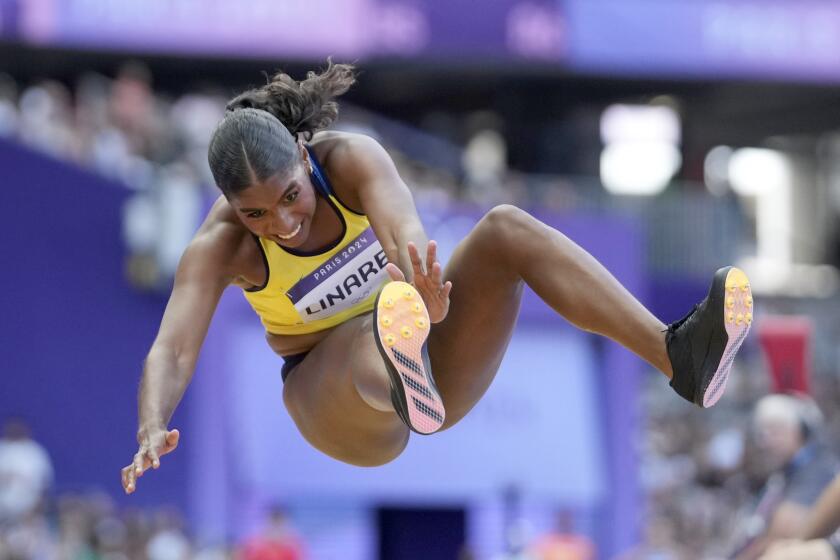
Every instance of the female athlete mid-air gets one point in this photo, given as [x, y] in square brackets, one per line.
[378, 338]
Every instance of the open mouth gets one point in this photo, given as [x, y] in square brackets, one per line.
[290, 235]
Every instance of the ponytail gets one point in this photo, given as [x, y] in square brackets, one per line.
[304, 107]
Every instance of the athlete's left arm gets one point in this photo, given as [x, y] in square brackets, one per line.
[364, 166]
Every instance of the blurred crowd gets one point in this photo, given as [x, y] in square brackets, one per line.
[118, 126]
[124, 129]
[37, 525]
[717, 484]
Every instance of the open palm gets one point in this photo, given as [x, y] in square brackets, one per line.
[428, 280]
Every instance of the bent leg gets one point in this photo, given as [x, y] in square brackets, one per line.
[506, 248]
[338, 398]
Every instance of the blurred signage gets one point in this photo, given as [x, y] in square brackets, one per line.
[315, 28]
[759, 39]
[258, 27]
[762, 39]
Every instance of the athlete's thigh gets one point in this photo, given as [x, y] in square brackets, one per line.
[321, 397]
[467, 347]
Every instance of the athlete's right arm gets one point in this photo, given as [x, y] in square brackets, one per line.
[203, 274]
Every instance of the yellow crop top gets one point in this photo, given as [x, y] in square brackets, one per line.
[306, 293]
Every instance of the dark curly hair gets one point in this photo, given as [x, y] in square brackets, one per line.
[258, 136]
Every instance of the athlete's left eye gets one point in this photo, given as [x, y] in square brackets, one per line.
[291, 196]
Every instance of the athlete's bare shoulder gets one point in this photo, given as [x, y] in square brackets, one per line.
[352, 160]
[331, 145]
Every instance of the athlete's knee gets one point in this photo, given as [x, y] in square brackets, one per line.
[507, 227]
[507, 219]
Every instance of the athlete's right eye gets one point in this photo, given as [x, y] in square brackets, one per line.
[256, 214]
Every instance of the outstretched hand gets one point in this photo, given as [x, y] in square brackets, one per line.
[153, 445]
[427, 280]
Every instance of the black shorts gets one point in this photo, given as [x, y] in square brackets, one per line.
[289, 363]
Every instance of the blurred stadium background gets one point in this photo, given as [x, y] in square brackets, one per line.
[667, 138]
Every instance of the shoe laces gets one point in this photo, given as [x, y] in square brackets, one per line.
[673, 327]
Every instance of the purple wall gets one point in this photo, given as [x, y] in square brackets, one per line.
[74, 333]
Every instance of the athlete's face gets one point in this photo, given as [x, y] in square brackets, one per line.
[280, 208]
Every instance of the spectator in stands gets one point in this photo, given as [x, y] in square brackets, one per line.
[25, 472]
[564, 543]
[8, 106]
[820, 535]
[25, 476]
[801, 466]
[277, 541]
[168, 540]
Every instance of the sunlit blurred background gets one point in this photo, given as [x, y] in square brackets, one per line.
[667, 138]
